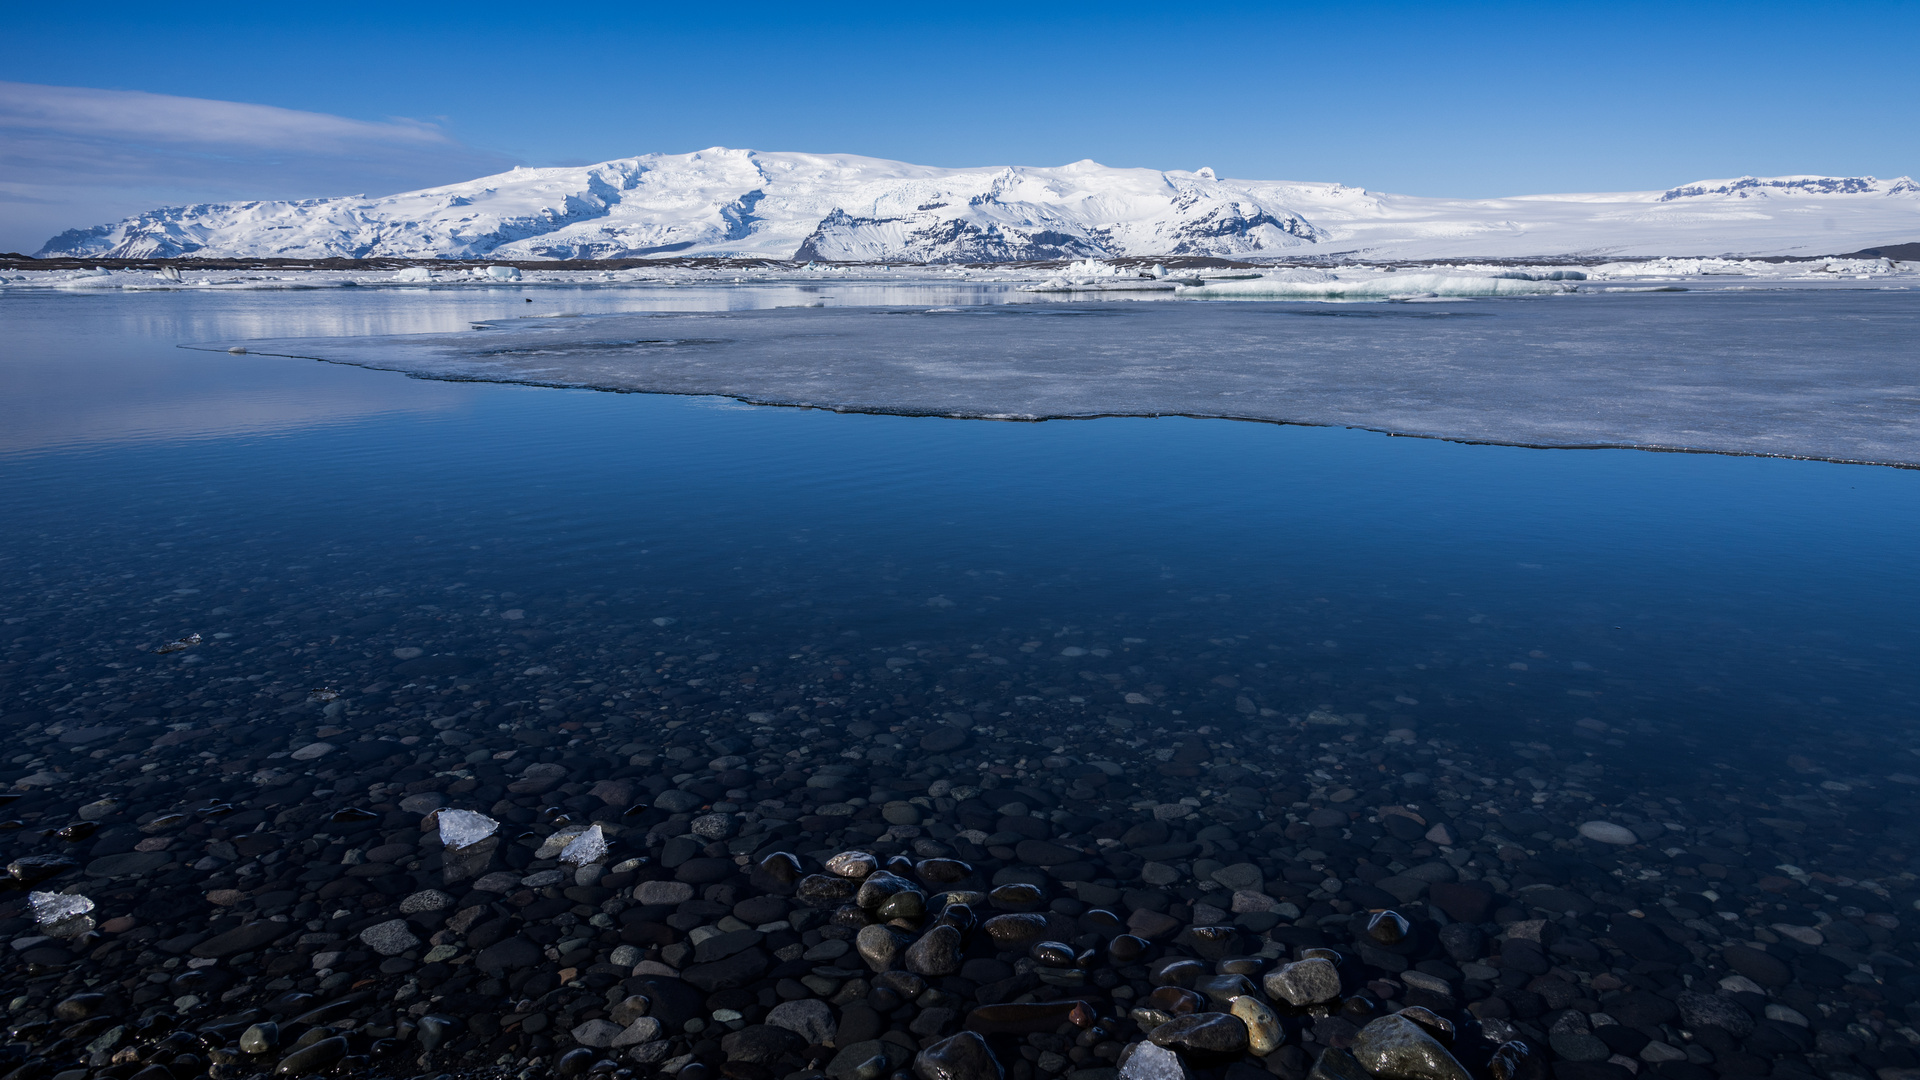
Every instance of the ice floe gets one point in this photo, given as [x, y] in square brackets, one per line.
[1743, 370]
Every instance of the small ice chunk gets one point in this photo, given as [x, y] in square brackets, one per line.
[53, 907]
[504, 273]
[1150, 1062]
[588, 847]
[61, 915]
[464, 828]
[413, 273]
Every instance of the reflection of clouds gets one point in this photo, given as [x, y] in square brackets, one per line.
[77, 417]
[81, 371]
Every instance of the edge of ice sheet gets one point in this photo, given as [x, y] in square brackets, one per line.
[1759, 372]
[1381, 285]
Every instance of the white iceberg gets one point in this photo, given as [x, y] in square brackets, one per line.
[464, 828]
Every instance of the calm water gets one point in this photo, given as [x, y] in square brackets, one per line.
[149, 491]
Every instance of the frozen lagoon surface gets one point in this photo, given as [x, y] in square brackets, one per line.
[414, 593]
[1725, 371]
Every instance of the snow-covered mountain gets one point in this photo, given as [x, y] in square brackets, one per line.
[843, 208]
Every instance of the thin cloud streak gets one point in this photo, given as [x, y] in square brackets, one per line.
[74, 112]
[73, 157]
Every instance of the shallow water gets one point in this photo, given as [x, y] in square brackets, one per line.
[1631, 586]
[1584, 633]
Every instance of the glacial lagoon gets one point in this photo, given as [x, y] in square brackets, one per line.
[1626, 739]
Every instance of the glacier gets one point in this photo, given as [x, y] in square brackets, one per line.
[1738, 370]
[843, 208]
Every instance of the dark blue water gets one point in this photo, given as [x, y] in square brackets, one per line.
[149, 491]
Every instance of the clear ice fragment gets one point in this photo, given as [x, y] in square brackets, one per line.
[52, 907]
[588, 847]
[464, 828]
[1150, 1062]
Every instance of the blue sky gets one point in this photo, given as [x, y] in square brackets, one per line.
[1463, 100]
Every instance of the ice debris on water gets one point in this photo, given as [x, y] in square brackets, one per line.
[177, 644]
[589, 847]
[464, 828]
[51, 907]
[61, 915]
[1150, 1062]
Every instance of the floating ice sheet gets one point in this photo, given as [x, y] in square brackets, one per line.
[1375, 285]
[1798, 373]
[464, 828]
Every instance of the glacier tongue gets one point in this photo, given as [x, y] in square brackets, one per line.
[844, 208]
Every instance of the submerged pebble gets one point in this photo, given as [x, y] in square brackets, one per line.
[690, 857]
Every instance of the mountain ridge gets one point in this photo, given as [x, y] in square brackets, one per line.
[845, 208]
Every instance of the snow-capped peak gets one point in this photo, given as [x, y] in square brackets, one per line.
[724, 201]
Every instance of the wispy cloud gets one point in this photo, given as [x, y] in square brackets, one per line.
[76, 156]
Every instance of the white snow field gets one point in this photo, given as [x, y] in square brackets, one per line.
[1737, 370]
[844, 208]
[1349, 281]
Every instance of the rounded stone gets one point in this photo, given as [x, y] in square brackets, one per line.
[1761, 967]
[79, 1007]
[655, 893]
[760, 1044]
[852, 864]
[1388, 928]
[879, 887]
[1052, 954]
[809, 1018]
[260, 1038]
[909, 905]
[1126, 948]
[1606, 832]
[314, 1058]
[714, 826]
[1712, 1010]
[1205, 1034]
[425, 900]
[1396, 1048]
[1264, 1033]
[942, 871]
[1016, 896]
[390, 938]
[960, 1057]
[938, 952]
[1016, 931]
[823, 890]
[878, 945]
